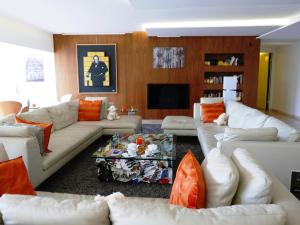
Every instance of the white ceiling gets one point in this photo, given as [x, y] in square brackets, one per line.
[123, 16]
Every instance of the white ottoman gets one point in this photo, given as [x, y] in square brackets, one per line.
[179, 125]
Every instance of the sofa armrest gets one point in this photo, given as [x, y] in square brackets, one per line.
[28, 148]
[279, 158]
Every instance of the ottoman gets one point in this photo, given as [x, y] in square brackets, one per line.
[179, 125]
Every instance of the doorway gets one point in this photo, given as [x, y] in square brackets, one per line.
[264, 80]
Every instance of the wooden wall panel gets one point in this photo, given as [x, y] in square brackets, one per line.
[134, 66]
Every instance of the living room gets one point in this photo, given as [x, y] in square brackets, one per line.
[149, 112]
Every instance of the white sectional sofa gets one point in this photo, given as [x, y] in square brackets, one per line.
[75, 209]
[69, 137]
[279, 157]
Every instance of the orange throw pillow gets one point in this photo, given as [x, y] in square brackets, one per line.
[89, 110]
[212, 111]
[189, 186]
[47, 130]
[14, 178]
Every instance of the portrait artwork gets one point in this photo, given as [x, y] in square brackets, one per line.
[97, 70]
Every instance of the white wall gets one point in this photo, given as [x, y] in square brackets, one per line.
[18, 33]
[285, 80]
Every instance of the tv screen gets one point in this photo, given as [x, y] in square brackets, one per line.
[168, 96]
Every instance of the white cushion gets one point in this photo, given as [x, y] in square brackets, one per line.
[209, 100]
[221, 179]
[9, 119]
[255, 186]
[178, 123]
[74, 107]
[284, 130]
[29, 210]
[3, 154]
[242, 116]
[253, 134]
[38, 115]
[255, 119]
[143, 211]
[61, 115]
[294, 137]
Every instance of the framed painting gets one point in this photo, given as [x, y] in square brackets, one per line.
[97, 68]
[168, 58]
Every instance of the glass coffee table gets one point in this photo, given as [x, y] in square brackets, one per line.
[115, 163]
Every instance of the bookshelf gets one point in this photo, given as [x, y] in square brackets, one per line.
[216, 67]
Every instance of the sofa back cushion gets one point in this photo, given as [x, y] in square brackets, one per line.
[61, 115]
[221, 178]
[284, 130]
[40, 115]
[189, 186]
[145, 211]
[252, 134]
[25, 210]
[242, 116]
[255, 186]
[3, 154]
[9, 119]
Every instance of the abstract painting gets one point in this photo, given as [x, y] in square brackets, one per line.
[97, 70]
[172, 57]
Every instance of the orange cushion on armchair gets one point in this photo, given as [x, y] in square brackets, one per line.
[14, 178]
[189, 186]
[89, 110]
[212, 111]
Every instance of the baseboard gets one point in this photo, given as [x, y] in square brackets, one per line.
[285, 114]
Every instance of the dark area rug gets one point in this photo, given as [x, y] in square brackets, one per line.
[79, 176]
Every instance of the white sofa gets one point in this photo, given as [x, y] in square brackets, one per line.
[136, 210]
[279, 157]
[69, 137]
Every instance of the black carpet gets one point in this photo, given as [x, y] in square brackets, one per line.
[79, 176]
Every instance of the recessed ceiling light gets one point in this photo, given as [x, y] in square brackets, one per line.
[218, 23]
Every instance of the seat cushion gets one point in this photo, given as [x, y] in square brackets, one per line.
[64, 141]
[178, 123]
[285, 131]
[206, 134]
[125, 122]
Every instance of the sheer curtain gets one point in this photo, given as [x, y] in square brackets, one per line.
[27, 75]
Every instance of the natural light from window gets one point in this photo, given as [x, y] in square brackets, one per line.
[27, 75]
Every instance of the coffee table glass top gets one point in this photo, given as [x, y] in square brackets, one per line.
[117, 147]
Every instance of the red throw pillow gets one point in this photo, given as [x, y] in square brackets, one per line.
[212, 111]
[47, 130]
[189, 186]
[89, 110]
[14, 178]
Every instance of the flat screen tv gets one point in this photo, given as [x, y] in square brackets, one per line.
[168, 96]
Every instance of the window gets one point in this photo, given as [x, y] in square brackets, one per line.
[27, 75]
